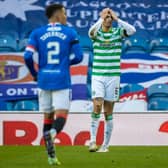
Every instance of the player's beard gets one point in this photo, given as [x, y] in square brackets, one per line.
[108, 25]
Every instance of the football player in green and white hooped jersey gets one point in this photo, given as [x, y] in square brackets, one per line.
[107, 45]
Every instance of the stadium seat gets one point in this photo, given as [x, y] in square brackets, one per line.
[159, 45]
[10, 105]
[157, 90]
[7, 105]
[3, 105]
[26, 105]
[8, 43]
[158, 103]
[157, 97]
[22, 44]
[131, 88]
[137, 43]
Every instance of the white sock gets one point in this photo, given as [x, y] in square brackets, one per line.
[107, 132]
[93, 130]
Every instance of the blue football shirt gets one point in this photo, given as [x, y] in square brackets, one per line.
[54, 44]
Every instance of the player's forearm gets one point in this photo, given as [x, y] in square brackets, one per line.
[29, 63]
[94, 28]
[129, 28]
[78, 54]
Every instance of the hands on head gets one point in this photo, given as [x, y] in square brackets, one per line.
[108, 12]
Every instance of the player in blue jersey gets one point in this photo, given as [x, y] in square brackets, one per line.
[54, 43]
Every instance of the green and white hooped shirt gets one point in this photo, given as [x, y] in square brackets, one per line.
[107, 47]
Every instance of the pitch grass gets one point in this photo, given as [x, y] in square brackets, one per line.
[79, 157]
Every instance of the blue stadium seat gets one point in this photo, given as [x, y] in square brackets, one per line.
[3, 105]
[159, 45]
[8, 43]
[137, 43]
[22, 44]
[10, 105]
[157, 90]
[131, 88]
[157, 97]
[7, 105]
[26, 105]
[158, 103]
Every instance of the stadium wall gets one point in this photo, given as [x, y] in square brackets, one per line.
[129, 129]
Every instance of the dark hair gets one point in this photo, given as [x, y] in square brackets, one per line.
[51, 9]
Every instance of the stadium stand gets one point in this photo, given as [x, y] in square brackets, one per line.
[159, 45]
[8, 42]
[10, 24]
[26, 105]
[131, 88]
[10, 105]
[138, 43]
[157, 90]
[7, 105]
[3, 105]
[159, 41]
[158, 103]
[157, 97]
[22, 44]
[14, 33]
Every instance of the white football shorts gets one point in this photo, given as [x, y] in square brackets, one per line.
[105, 87]
[54, 100]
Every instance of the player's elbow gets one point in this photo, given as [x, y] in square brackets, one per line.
[131, 31]
[27, 55]
[78, 58]
[78, 54]
[91, 33]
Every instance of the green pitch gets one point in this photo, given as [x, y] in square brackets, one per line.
[79, 157]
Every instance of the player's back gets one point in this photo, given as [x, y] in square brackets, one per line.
[54, 47]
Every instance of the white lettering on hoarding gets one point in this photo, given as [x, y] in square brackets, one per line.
[16, 91]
